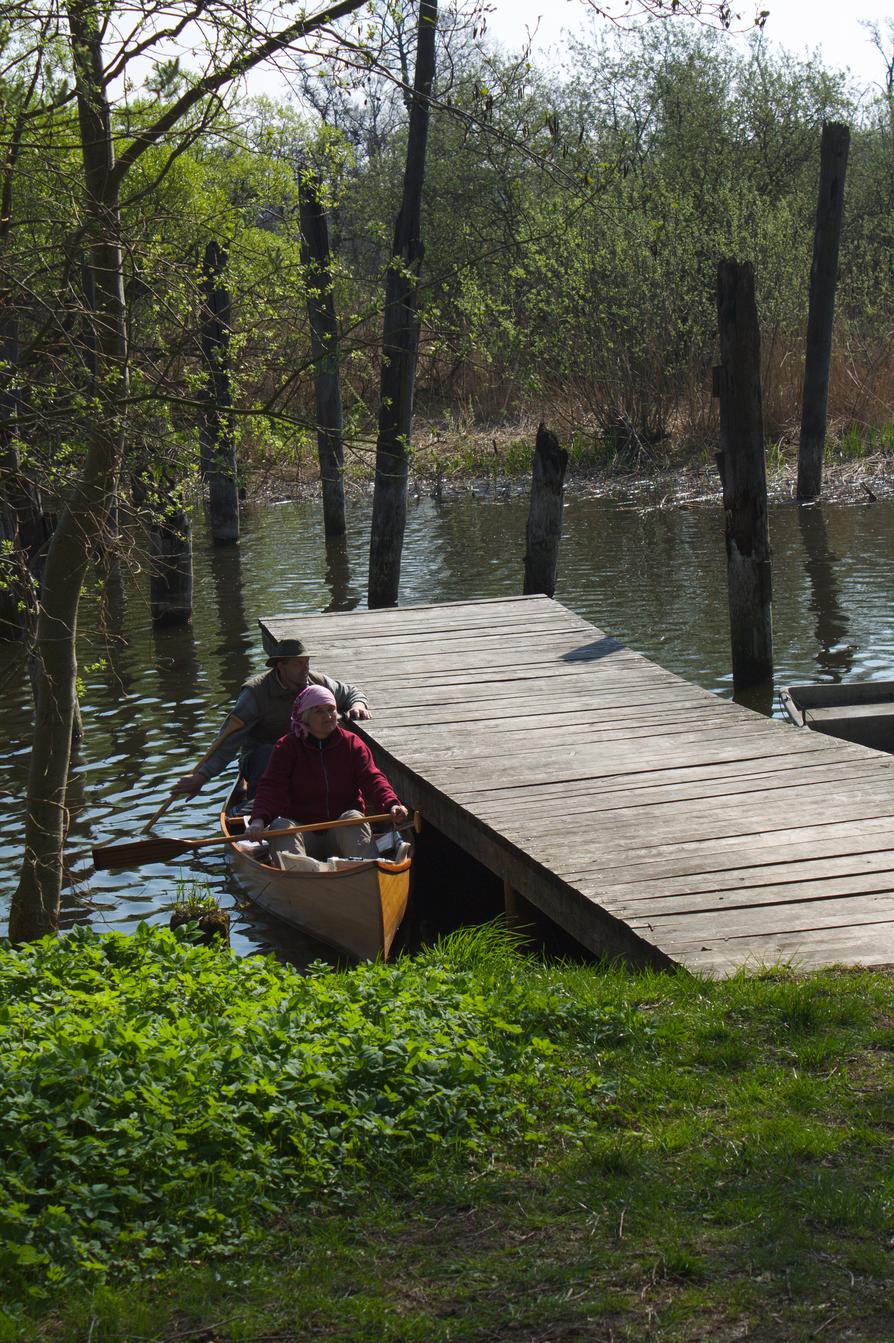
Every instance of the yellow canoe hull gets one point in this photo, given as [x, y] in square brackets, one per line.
[357, 910]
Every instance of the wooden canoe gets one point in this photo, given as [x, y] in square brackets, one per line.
[357, 909]
[861, 712]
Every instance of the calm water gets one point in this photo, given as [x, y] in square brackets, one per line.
[655, 578]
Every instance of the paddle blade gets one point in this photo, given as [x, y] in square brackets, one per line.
[138, 852]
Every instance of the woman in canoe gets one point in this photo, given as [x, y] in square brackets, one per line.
[320, 772]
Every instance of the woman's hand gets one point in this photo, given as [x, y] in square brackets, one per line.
[399, 813]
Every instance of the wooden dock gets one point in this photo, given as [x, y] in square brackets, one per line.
[644, 815]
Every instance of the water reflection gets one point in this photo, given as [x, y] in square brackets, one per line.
[153, 699]
[234, 646]
[834, 657]
[344, 595]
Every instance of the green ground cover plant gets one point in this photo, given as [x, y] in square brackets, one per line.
[467, 1145]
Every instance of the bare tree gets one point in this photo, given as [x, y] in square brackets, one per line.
[84, 511]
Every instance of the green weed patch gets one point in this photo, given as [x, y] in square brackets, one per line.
[467, 1146]
[160, 1100]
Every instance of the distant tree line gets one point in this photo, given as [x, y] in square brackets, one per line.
[571, 232]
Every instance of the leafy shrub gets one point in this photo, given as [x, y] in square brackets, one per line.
[159, 1099]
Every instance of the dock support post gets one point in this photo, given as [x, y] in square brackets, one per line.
[821, 311]
[743, 473]
[544, 532]
[514, 908]
[316, 258]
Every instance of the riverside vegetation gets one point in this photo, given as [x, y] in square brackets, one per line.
[572, 230]
[470, 1144]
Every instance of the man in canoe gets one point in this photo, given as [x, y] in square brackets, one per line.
[319, 772]
[264, 704]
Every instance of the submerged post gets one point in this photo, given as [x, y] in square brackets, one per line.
[821, 312]
[743, 474]
[544, 532]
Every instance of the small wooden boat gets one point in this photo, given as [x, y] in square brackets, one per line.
[356, 909]
[862, 713]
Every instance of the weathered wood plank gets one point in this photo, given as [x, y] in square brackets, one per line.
[850, 832]
[614, 798]
[873, 907]
[588, 758]
[552, 848]
[814, 885]
[578, 798]
[735, 868]
[668, 813]
[807, 949]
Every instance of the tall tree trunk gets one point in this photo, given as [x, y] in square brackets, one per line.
[316, 258]
[399, 338]
[219, 440]
[35, 902]
[821, 312]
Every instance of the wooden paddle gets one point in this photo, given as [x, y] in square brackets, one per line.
[161, 850]
[234, 723]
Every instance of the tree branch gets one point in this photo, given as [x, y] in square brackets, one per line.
[237, 67]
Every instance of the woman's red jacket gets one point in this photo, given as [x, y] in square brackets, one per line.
[308, 780]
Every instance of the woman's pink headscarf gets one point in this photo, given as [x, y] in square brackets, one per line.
[310, 698]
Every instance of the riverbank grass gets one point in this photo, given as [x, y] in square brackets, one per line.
[469, 1145]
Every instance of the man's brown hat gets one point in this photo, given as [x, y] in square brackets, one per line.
[287, 648]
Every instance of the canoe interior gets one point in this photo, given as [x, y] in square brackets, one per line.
[356, 910]
[861, 713]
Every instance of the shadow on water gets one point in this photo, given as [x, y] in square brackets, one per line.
[235, 644]
[834, 657]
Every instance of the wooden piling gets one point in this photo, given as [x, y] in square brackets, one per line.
[743, 473]
[316, 257]
[544, 533]
[821, 313]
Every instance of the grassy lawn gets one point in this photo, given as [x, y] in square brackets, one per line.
[661, 1158]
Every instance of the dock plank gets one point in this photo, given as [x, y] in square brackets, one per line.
[647, 816]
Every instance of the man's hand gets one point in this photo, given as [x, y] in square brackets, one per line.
[399, 813]
[357, 711]
[190, 784]
[256, 828]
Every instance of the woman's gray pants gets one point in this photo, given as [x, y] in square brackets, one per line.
[346, 841]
